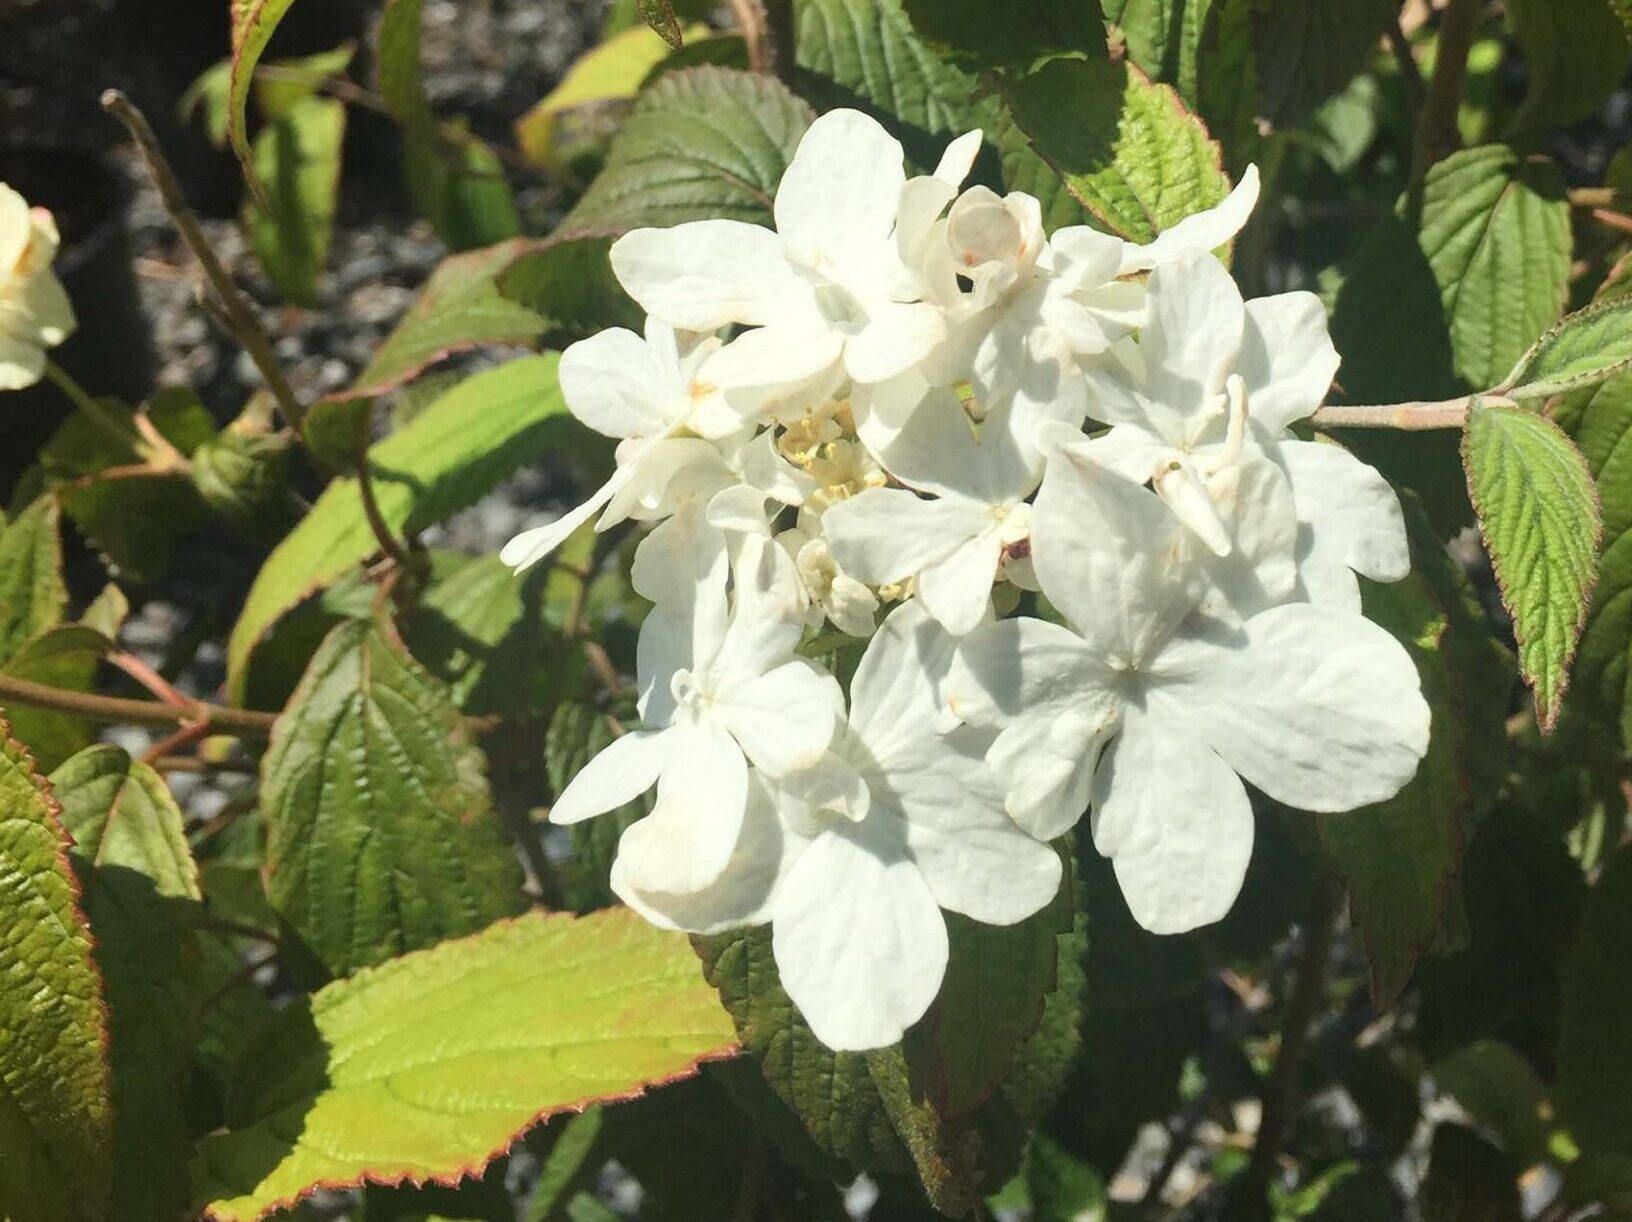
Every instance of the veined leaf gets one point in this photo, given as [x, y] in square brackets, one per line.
[297, 160]
[1539, 515]
[610, 72]
[1127, 149]
[1496, 232]
[444, 459]
[429, 1066]
[380, 832]
[1308, 50]
[659, 15]
[866, 52]
[1581, 349]
[701, 142]
[141, 896]
[56, 1132]
[567, 280]
[64, 657]
[253, 24]
[578, 732]
[32, 592]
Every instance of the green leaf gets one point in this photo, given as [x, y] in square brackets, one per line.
[1581, 349]
[497, 639]
[208, 99]
[937, 1155]
[567, 280]
[1594, 1073]
[1399, 857]
[299, 79]
[990, 1004]
[253, 24]
[1308, 50]
[610, 72]
[297, 160]
[32, 593]
[1539, 515]
[579, 732]
[1496, 232]
[459, 308]
[443, 460]
[864, 53]
[1126, 149]
[63, 657]
[700, 143]
[455, 180]
[1575, 53]
[56, 1132]
[380, 831]
[1468, 1178]
[1060, 1188]
[978, 34]
[141, 896]
[131, 516]
[1503, 1092]
[832, 1092]
[429, 1066]
[243, 474]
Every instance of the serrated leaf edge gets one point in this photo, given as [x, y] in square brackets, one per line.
[1513, 389]
[1546, 716]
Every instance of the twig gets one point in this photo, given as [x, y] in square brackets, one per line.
[238, 930]
[371, 510]
[1415, 88]
[1413, 417]
[240, 318]
[1613, 219]
[192, 763]
[1280, 1096]
[149, 678]
[25, 692]
[190, 733]
[1437, 133]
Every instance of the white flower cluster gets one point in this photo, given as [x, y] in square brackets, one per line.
[931, 414]
[34, 311]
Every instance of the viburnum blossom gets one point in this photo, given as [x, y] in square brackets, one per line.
[35, 313]
[1038, 498]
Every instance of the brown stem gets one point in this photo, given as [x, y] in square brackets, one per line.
[25, 692]
[1413, 417]
[1280, 1098]
[371, 510]
[240, 318]
[1437, 133]
[1415, 88]
[149, 678]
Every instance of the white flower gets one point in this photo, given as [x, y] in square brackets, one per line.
[834, 595]
[35, 313]
[1202, 405]
[952, 542]
[852, 862]
[654, 396]
[721, 686]
[1155, 718]
[828, 293]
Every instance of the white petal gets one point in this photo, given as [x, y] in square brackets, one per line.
[980, 864]
[1053, 700]
[1253, 498]
[882, 535]
[772, 368]
[959, 158]
[896, 338]
[842, 187]
[1352, 511]
[703, 274]
[685, 843]
[663, 475]
[785, 719]
[896, 684]
[1127, 582]
[958, 590]
[1193, 338]
[531, 546]
[859, 940]
[618, 386]
[745, 890]
[623, 770]
[1175, 822]
[1202, 231]
[1287, 358]
[937, 450]
[1320, 710]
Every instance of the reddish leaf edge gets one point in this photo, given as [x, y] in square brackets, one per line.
[1546, 714]
[65, 842]
[479, 1165]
